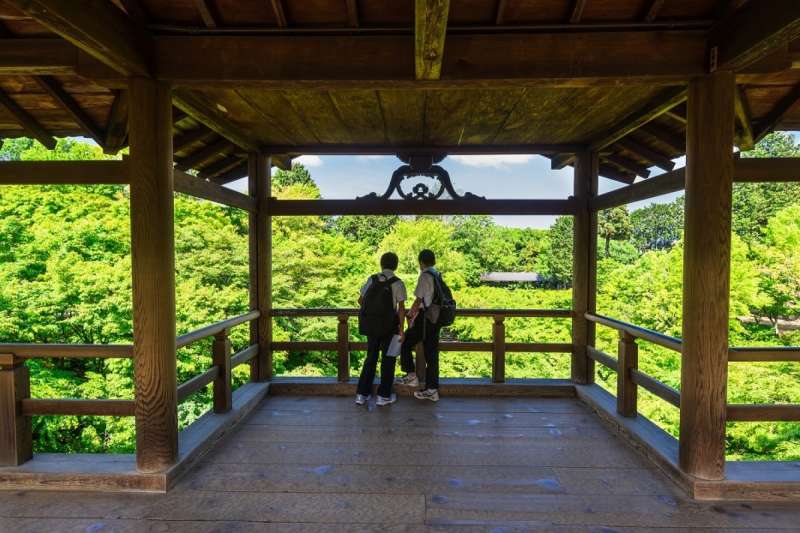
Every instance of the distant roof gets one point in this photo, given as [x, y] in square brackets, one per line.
[508, 277]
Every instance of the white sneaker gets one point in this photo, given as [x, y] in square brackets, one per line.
[361, 399]
[427, 394]
[382, 400]
[409, 380]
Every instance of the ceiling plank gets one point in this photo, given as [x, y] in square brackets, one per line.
[206, 14]
[628, 164]
[660, 105]
[117, 125]
[750, 33]
[221, 166]
[108, 35]
[198, 157]
[746, 139]
[653, 10]
[645, 152]
[675, 141]
[212, 117]
[51, 86]
[352, 13]
[30, 124]
[430, 28]
[500, 12]
[577, 11]
[184, 140]
[773, 119]
[280, 13]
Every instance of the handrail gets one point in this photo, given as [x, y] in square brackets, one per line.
[197, 383]
[35, 406]
[660, 389]
[673, 343]
[243, 356]
[444, 346]
[764, 353]
[68, 351]
[763, 413]
[213, 329]
[527, 313]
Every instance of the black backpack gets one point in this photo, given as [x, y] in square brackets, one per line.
[378, 316]
[443, 305]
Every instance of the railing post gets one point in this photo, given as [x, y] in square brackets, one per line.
[499, 351]
[221, 358]
[343, 341]
[260, 232]
[16, 441]
[627, 392]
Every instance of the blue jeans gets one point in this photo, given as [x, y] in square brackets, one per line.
[376, 345]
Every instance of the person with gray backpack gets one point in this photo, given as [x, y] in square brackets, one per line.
[433, 309]
[381, 316]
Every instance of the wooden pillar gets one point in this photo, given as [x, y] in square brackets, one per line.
[627, 392]
[584, 266]
[343, 349]
[499, 350]
[153, 262]
[221, 358]
[260, 230]
[16, 442]
[706, 274]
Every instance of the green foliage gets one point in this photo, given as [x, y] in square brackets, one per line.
[657, 226]
[613, 224]
[556, 259]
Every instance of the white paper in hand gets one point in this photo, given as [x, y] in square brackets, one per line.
[394, 347]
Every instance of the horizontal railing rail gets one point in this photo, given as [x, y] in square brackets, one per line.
[755, 354]
[68, 351]
[498, 346]
[67, 407]
[673, 343]
[213, 329]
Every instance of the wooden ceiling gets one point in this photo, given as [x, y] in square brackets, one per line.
[348, 76]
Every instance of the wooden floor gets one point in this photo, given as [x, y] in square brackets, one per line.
[464, 464]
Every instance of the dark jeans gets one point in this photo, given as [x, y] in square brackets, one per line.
[375, 345]
[427, 333]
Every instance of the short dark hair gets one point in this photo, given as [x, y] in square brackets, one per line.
[427, 257]
[389, 261]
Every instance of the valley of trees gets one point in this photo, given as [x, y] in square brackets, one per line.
[65, 277]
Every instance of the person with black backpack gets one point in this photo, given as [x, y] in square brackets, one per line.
[381, 317]
[433, 309]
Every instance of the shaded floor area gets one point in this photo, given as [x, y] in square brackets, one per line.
[464, 464]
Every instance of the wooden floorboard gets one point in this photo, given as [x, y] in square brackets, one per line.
[301, 464]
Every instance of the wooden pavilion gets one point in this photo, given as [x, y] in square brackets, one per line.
[205, 92]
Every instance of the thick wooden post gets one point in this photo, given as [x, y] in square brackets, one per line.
[153, 261]
[584, 266]
[16, 442]
[260, 230]
[499, 350]
[706, 274]
[221, 358]
[343, 349]
[627, 393]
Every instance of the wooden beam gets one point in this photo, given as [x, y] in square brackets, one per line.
[30, 56]
[153, 268]
[107, 34]
[200, 188]
[186, 139]
[205, 13]
[616, 175]
[223, 165]
[63, 172]
[51, 86]
[668, 137]
[260, 232]
[557, 162]
[211, 117]
[763, 413]
[30, 124]
[676, 116]
[352, 13]
[653, 9]
[668, 99]
[751, 32]
[500, 12]
[746, 138]
[628, 164]
[280, 13]
[584, 266]
[767, 169]
[233, 174]
[644, 190]
[645, 152]
[462, 149]
[421, 207]
[706, 275]
[772, 120]
[16, 433]
[577, 11]
[198, 157]
[117, 126]
[135, 10]
[430, 29]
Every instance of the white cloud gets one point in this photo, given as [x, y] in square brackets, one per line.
[309, 161]
[495, 161]
[370, 157]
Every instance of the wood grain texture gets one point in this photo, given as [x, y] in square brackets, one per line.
[221, 359]
[52, 87]
[153, 267]
[628, 362]
[260, 234]
[498, 349]
[63, 172]
[200, 188]
[430, 28]
[30, 124]
[65, 407]
[584, 259]
[16, 433]
[117, 124]
[644, 190]
[706, 275]
[763, 413]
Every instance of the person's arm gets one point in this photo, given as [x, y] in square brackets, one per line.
[401, 315]
[412, 313]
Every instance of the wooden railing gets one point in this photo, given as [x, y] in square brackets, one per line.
[498, 346]
[629, 377]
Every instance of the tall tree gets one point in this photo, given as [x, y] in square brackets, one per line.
[657, 226]
[613, 224]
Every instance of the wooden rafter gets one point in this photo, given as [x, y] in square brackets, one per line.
[107, 34]
[653, 10]
[352, 13]
[206, 14]
[671, 139]
[750, 33]
[628, 164]
[616, 175]
[745, 137]
[211, 117]
[577, 11]
[223, 165]
[117, 126]
[500, 12]
[135, 10]
[198, 157]
[430, 28]
[186, 139]
[51, 86]
[30, 124]
[675, 115]
[560, 161]
[645, 152]
[773, 119]
[280, 13]
[234, 174]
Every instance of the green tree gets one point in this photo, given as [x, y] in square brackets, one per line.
[657, 226]
[367, 229]
[298, 175]
[556, 259]
[613, 224]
